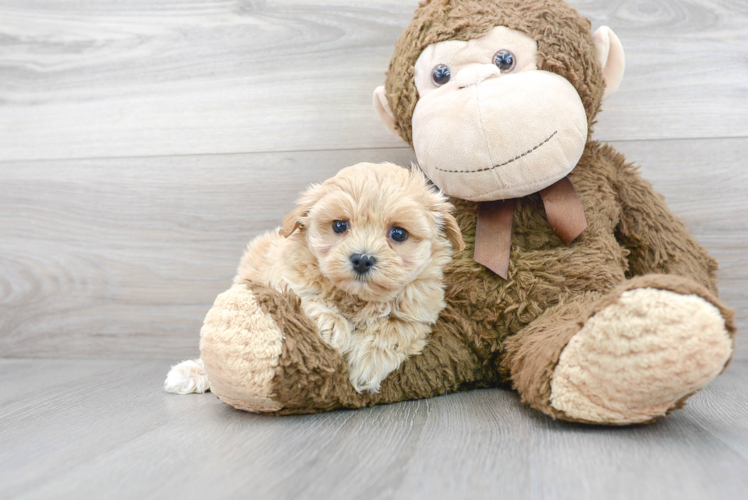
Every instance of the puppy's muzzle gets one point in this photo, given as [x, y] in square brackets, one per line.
[362, 264]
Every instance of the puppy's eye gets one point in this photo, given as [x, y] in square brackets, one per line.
[504, 60]
[340, 226]
[398, 234]
[440, 74]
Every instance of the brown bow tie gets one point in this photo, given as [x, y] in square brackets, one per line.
[493, 232]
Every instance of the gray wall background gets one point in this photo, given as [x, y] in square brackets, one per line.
[143, 143]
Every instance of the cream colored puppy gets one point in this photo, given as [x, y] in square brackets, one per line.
[365, 252]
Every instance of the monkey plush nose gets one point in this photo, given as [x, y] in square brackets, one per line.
[362, 264]
[476, 74]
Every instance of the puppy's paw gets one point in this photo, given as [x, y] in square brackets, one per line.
[380, 351]
[334, 329]
[370, 365]
[187, 377]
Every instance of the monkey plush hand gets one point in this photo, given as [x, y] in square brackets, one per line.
[577, 286]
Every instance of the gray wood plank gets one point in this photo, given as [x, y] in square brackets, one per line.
[123, 257]
[107, 78]
[115, 434]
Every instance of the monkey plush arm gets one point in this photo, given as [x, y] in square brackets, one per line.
[263, 354]
[658, 241]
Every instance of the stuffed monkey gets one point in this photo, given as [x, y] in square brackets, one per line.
[577, 287]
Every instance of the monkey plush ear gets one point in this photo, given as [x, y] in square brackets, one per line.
[609, 53]
[382, 107]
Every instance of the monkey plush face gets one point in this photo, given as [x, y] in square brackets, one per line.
[502, 107]
[489, 125]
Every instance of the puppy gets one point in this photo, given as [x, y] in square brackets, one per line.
[365, 252]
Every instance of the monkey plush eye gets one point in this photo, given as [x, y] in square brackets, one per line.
[504, 60]
[340, 226]
[440, 74]
[398, 234]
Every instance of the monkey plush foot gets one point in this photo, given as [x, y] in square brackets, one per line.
[639, 357]
[240, 347]
[262, 354]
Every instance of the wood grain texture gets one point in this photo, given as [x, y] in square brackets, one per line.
[105, 429]
[144, 142]
[103, 78]
[123, 257]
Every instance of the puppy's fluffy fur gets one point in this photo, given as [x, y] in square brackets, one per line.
[377, 319]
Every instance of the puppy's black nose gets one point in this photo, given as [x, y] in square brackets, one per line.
[362, 264]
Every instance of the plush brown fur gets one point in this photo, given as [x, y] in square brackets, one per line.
[496, 331]
[513, 331]
[312, 377]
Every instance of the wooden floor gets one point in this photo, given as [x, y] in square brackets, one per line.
[144, 142]
[102, 429]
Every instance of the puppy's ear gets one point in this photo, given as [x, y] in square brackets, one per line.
[292, 222]
[443, 210]
[449, 225]
[295, 219]
[452, 230]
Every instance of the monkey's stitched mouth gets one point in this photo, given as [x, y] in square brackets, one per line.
[500, 164]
